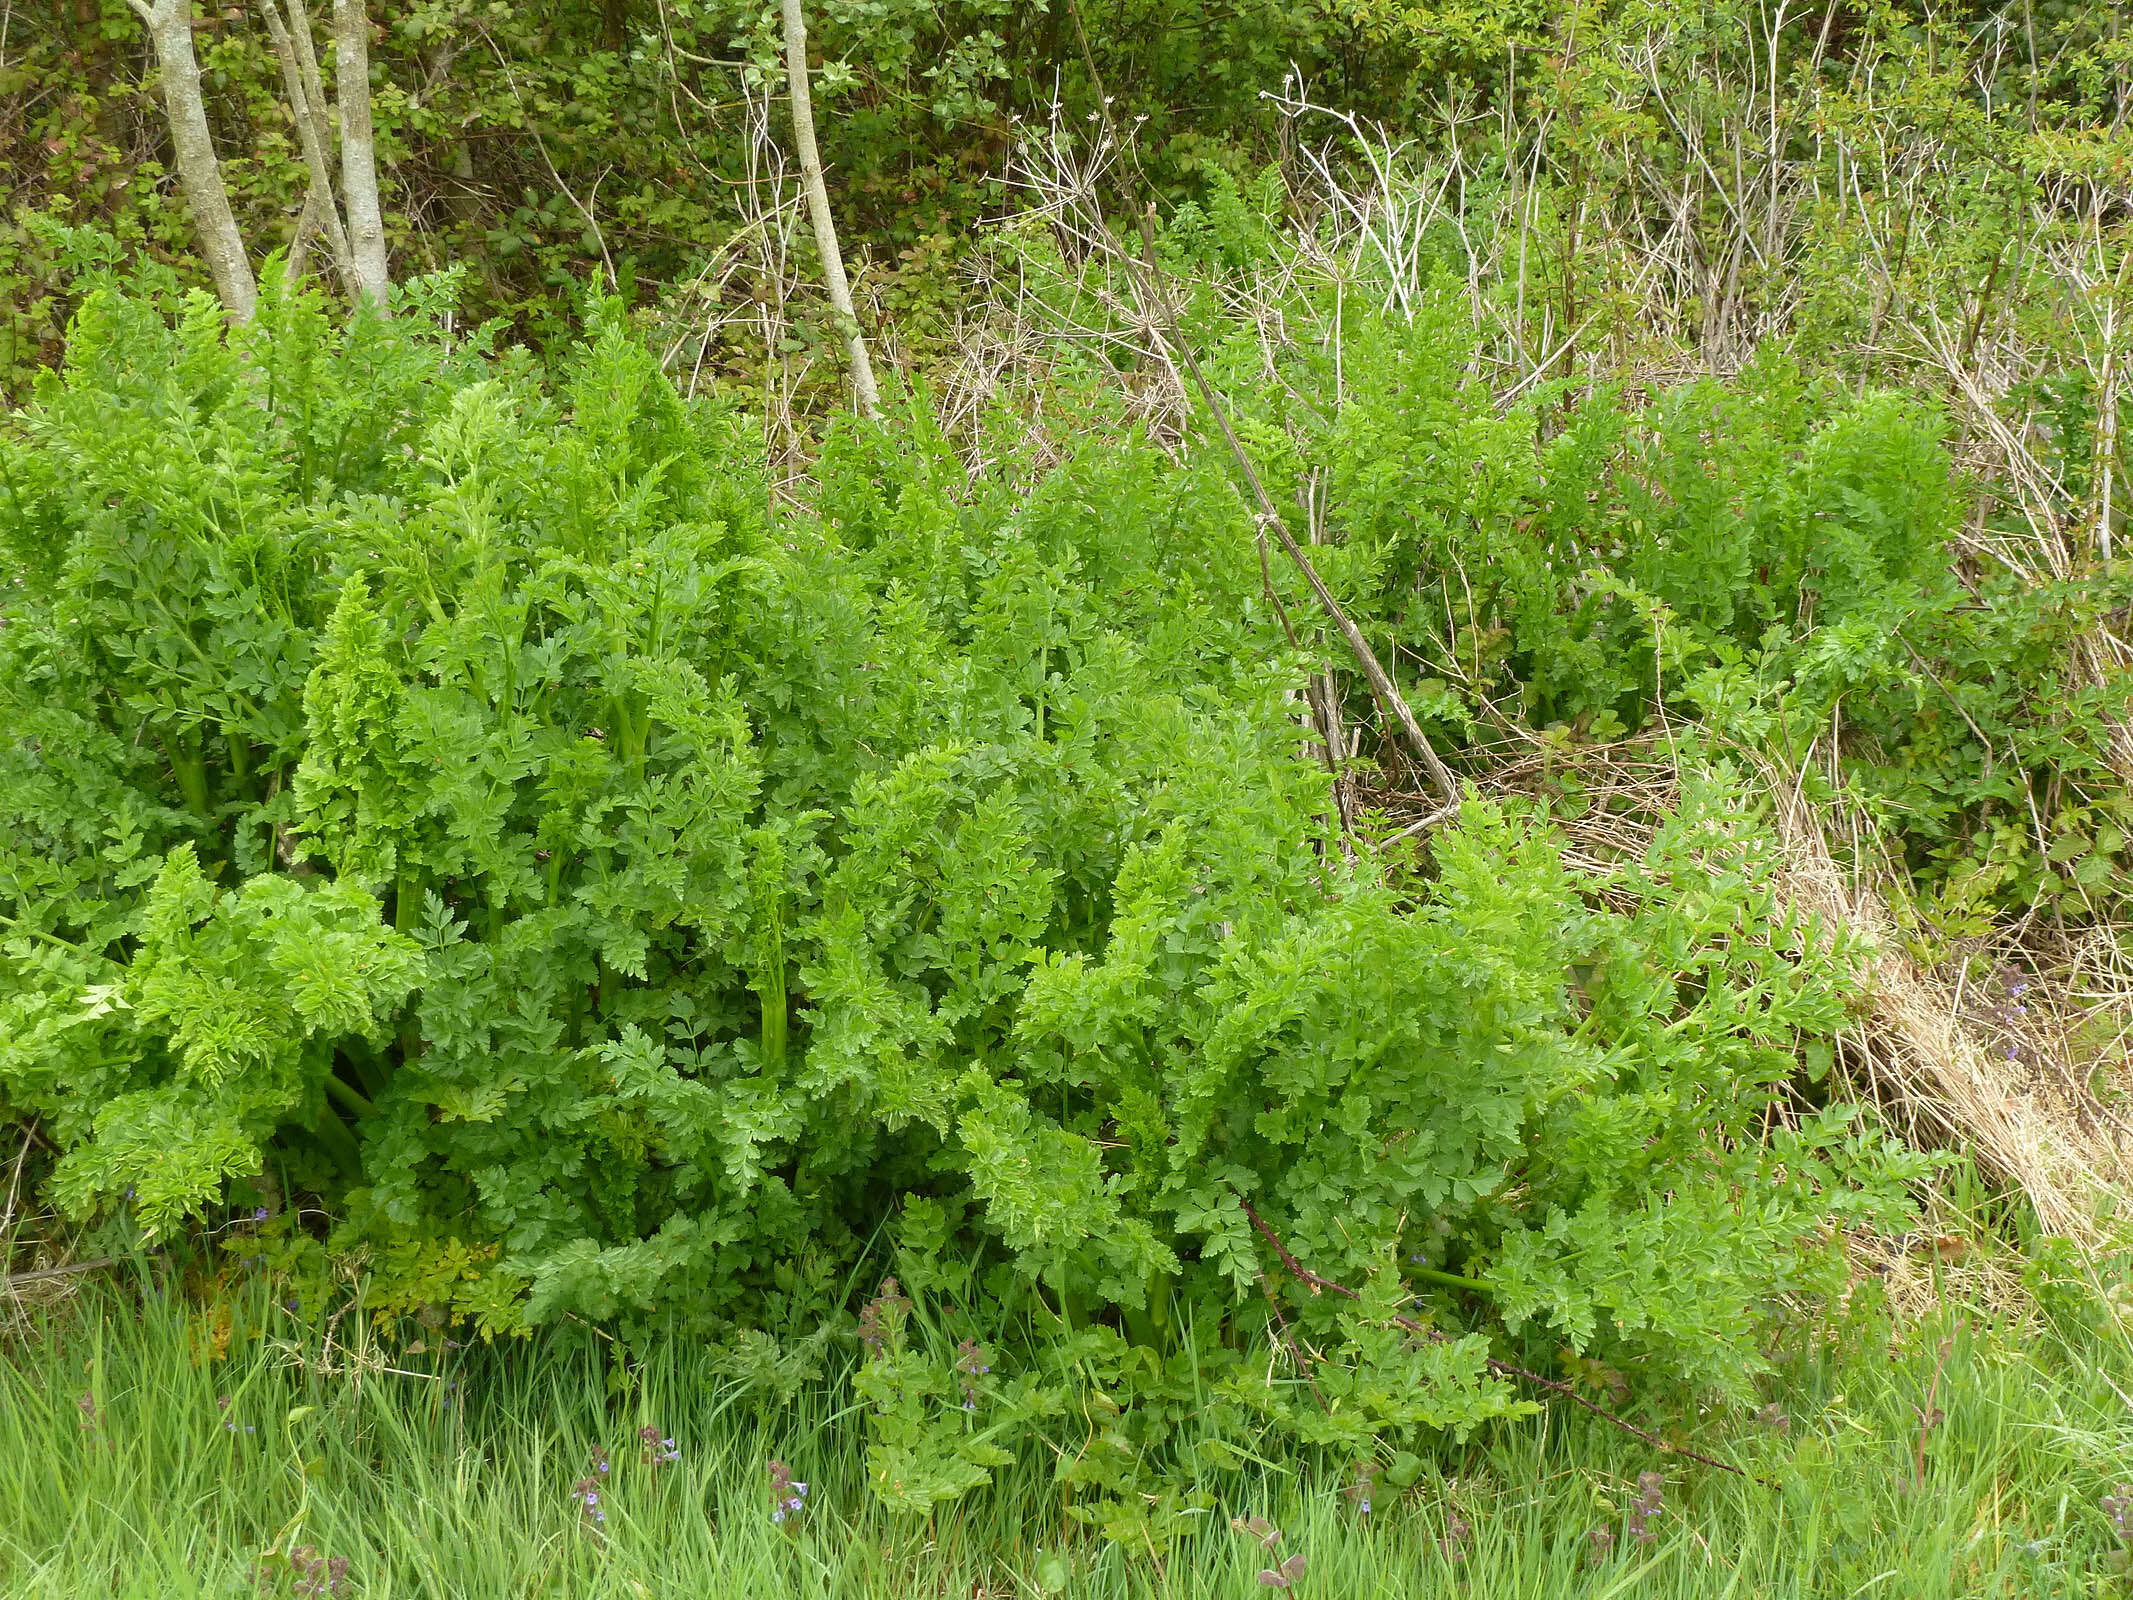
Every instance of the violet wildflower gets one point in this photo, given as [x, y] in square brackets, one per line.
[1649, 1503]
[1456, 1529]
[971, 1364]
[259, 1214]
[586, 1492]
[881, 1319]
[2118, 1511]
[657, 1452]
[788, 1496]
[312, 1574]
[1359, 1492]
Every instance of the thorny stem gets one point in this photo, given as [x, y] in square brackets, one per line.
[1503, 1369]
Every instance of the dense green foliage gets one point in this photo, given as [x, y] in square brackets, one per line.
[548, 859]
[476, 807]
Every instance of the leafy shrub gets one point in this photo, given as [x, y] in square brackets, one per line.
[620, 900]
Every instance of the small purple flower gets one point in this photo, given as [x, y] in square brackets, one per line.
[788, 1498]
[657, 1451]
[586, 1492]
[971, 1364]
[2118, 1511]
[1649, 1503]
[260, 1215]
[312, 1574]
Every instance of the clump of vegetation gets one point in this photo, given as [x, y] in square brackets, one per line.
[546, 827]
[468, 801]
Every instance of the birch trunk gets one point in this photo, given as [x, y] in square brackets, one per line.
[170, 30]
[359, 157]
[818, 206]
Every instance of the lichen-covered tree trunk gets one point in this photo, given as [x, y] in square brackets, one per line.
[359, 158]
[170, 30]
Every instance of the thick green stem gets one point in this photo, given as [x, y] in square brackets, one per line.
[189, 768]
[339, 1142]
[1451, 1280]
[349, 1099]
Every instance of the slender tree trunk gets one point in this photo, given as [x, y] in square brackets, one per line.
[170, 30]
[359, 157]
[308, 105]
[818, 206]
